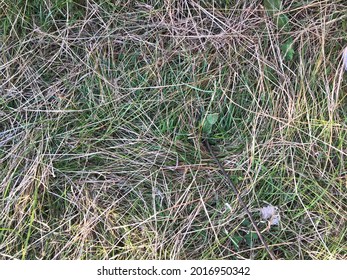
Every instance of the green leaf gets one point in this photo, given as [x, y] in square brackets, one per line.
[246, 223]
[272, 6]
[212, 118]
[236, 239]
[282, 21]
[250, 238]
[288, 50]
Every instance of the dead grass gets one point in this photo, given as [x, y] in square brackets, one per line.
[102, 112]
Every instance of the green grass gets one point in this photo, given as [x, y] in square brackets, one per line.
[104, 105]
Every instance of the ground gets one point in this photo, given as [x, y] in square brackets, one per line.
[104, 106]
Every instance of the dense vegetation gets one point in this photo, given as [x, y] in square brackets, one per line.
[104, 105]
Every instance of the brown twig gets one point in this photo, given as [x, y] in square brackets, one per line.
[207, 145]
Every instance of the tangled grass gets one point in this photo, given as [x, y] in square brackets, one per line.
[102, 111]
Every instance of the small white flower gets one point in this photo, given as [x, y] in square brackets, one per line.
[271, 214]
